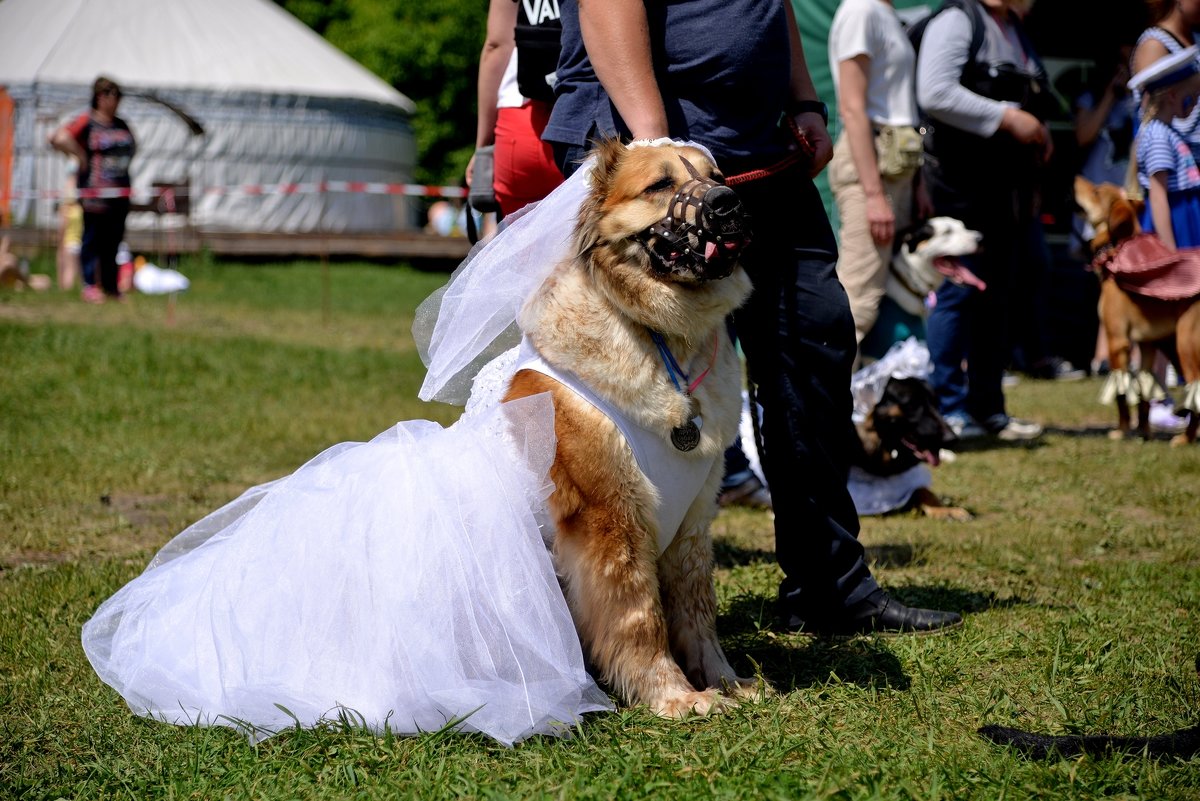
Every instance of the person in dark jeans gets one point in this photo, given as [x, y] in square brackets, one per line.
[102, 146]
[725, 73]
[979, 82]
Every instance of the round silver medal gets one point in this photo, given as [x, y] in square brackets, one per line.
[686, 437]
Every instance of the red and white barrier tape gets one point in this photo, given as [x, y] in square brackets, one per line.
[251, 190]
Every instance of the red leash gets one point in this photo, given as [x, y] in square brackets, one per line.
[805, 152]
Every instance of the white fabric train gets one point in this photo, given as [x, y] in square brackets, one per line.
[342, 588]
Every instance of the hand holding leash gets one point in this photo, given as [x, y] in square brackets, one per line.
[813, 138]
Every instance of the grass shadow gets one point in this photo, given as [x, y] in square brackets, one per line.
[1104, 432]
[888, 555]
[728, 555]
[955, 599]
[994, 444]
[750, 629]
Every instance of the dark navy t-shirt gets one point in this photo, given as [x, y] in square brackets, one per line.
[723, 67]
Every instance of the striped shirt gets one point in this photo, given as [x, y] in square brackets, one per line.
[1160, 148]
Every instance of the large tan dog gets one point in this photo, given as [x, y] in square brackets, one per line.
[1129, 318]
[645, 616]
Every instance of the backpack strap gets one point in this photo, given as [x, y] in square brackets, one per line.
[973, 11]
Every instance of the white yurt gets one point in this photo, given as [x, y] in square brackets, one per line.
[276, 102]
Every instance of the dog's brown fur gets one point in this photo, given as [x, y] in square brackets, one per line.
[1129, 318]
[647, 622]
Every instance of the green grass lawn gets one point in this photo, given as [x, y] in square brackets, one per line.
[119, 425]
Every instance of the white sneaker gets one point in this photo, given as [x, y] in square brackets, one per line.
[1164, 419]
[1014, 429]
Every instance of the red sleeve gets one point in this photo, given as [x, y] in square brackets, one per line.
[78, 129]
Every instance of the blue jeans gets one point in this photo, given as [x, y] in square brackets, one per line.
[973, 325]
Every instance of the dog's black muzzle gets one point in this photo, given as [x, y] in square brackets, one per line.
[703, 233]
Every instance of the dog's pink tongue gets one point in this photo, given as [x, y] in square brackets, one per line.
[710, 250]
[957, 272]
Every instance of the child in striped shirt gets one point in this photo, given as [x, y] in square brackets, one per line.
[1167, 171]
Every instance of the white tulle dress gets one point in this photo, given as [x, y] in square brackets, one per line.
[402, 582]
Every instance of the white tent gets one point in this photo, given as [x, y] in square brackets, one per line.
[278, 104]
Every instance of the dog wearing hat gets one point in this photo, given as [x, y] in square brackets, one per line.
[1149, 284]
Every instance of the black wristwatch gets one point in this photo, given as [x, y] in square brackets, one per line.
[809, 106]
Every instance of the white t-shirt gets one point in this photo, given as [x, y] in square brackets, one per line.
[871, 28]
[509, 96]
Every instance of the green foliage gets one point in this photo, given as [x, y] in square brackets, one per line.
[118, 428]
[428, 51]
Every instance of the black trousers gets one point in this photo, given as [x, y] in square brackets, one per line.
[798, 337]
[102, 235]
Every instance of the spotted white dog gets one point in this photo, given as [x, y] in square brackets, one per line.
[926, 256]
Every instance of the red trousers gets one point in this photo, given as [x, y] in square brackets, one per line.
[525, 169]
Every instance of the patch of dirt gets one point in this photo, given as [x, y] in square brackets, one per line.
[145, 524]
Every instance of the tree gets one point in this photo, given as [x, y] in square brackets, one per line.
[427, 50]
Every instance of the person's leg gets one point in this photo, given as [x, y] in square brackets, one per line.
[525, 170]
[862, 265]
[741, 486]
[989, 345]
[87, 252]
[797, 334]
[1029, 313]
[947, 329]
[111, 232]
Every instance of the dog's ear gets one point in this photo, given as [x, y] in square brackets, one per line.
[1122, 221]
[917, 235]
[609, 152]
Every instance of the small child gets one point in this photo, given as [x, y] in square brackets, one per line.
[1170, 178]
[70, 226]
[1167, 170]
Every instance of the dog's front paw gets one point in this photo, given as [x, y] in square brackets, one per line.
[705, 702]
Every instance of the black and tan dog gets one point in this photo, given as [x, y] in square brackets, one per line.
[903, 430]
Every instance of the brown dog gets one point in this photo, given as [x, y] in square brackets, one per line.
[641, 592]
[1172, 326]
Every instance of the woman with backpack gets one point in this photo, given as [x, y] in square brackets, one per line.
[978, 85]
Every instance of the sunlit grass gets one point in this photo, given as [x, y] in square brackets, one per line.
[1080, 577]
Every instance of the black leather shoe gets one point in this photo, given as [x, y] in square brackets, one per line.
[878, 612]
